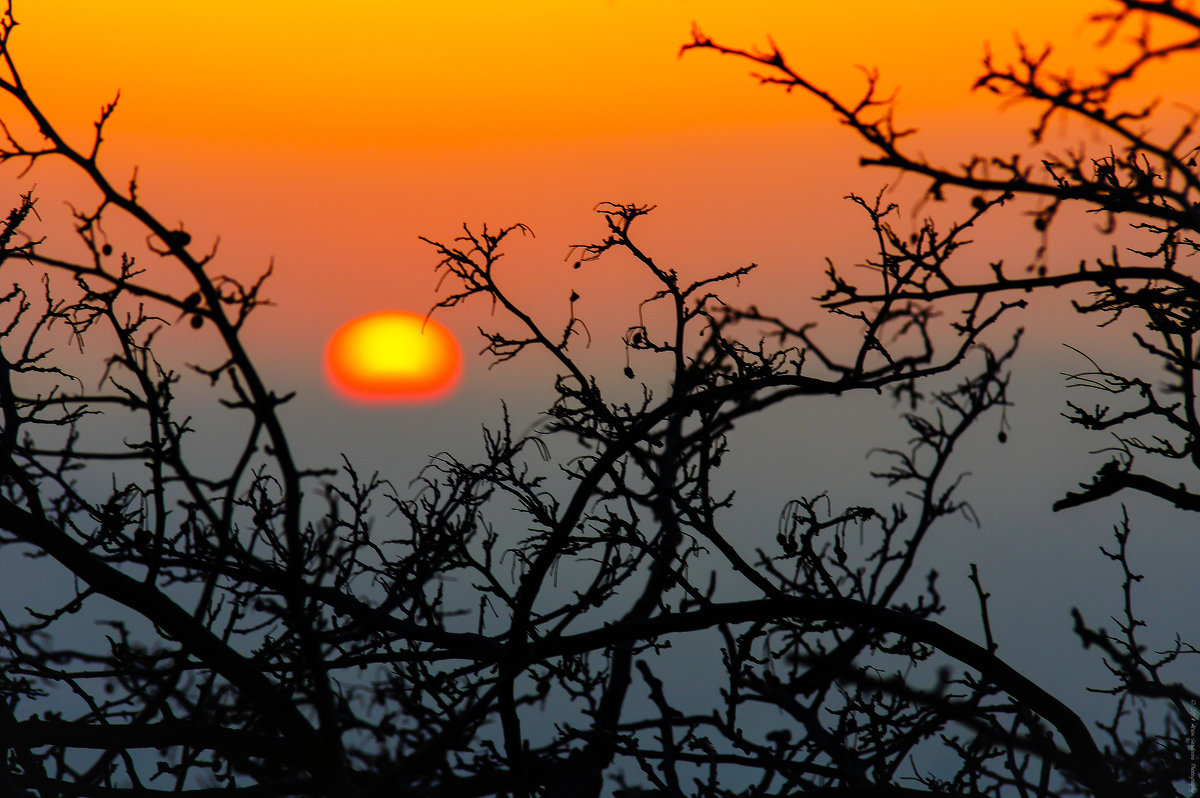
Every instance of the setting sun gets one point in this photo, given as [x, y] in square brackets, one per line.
[393, 356]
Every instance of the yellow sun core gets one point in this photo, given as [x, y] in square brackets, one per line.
[393, 356]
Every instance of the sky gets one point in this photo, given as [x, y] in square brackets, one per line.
[329, 142]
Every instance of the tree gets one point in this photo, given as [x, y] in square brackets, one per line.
[261, 643]
[1141, 178]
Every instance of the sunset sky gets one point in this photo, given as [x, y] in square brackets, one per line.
[330, 140]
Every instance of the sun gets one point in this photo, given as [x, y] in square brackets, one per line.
[393, 356]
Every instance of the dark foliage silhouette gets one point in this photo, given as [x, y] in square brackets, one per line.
[1139, 175]
[268, 629]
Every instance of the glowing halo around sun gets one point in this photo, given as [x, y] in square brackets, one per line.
[393, 356]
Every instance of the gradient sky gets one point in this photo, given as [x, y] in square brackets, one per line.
[330, 141]
[326, 138]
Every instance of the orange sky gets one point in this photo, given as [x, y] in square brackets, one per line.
[390, 77]
[331, 140]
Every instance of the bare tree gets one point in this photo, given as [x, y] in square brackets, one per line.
[266, 633]
[1140, 176]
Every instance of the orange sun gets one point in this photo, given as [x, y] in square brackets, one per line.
[393, 356]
